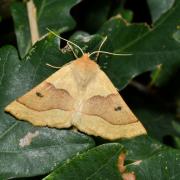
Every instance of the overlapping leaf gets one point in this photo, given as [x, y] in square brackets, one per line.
[163, 165]
[98, 163]
[159, 7]
[148, 159]
[50, 14]
[141, 147]
[145, 158]
[49, 147]
[149, 46]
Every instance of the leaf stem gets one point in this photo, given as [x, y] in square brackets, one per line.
[31, 10]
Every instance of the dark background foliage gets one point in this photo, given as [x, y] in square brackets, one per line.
[152, 93]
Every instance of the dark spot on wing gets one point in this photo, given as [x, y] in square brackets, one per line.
[118, 108]
[47, 97]
[39, 94]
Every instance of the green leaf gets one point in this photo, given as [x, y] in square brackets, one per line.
[161, 166]
[121, 10]
[87, 42]
[158, 122]
[176, 126]
[174, 138]
[176, 142]
[141, 147]
[127, 14]
[21, 24]
[55, 15]
[150, 47]
[49, 147]
[50, 14]
[98, 163]
[176, 35]
[159, 7]
[149, 159]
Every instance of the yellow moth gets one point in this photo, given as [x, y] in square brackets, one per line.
[81, 95]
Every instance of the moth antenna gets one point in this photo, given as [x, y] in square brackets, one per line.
[66, 40]
[106, 52]
[72, 50]
[56, 67]
[100, 47]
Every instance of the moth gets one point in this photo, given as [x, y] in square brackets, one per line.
[81, 95]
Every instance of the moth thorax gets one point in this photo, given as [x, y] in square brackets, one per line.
[84, 73]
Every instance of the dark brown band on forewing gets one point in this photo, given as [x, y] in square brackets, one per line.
[46, 97]
[106, 108]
